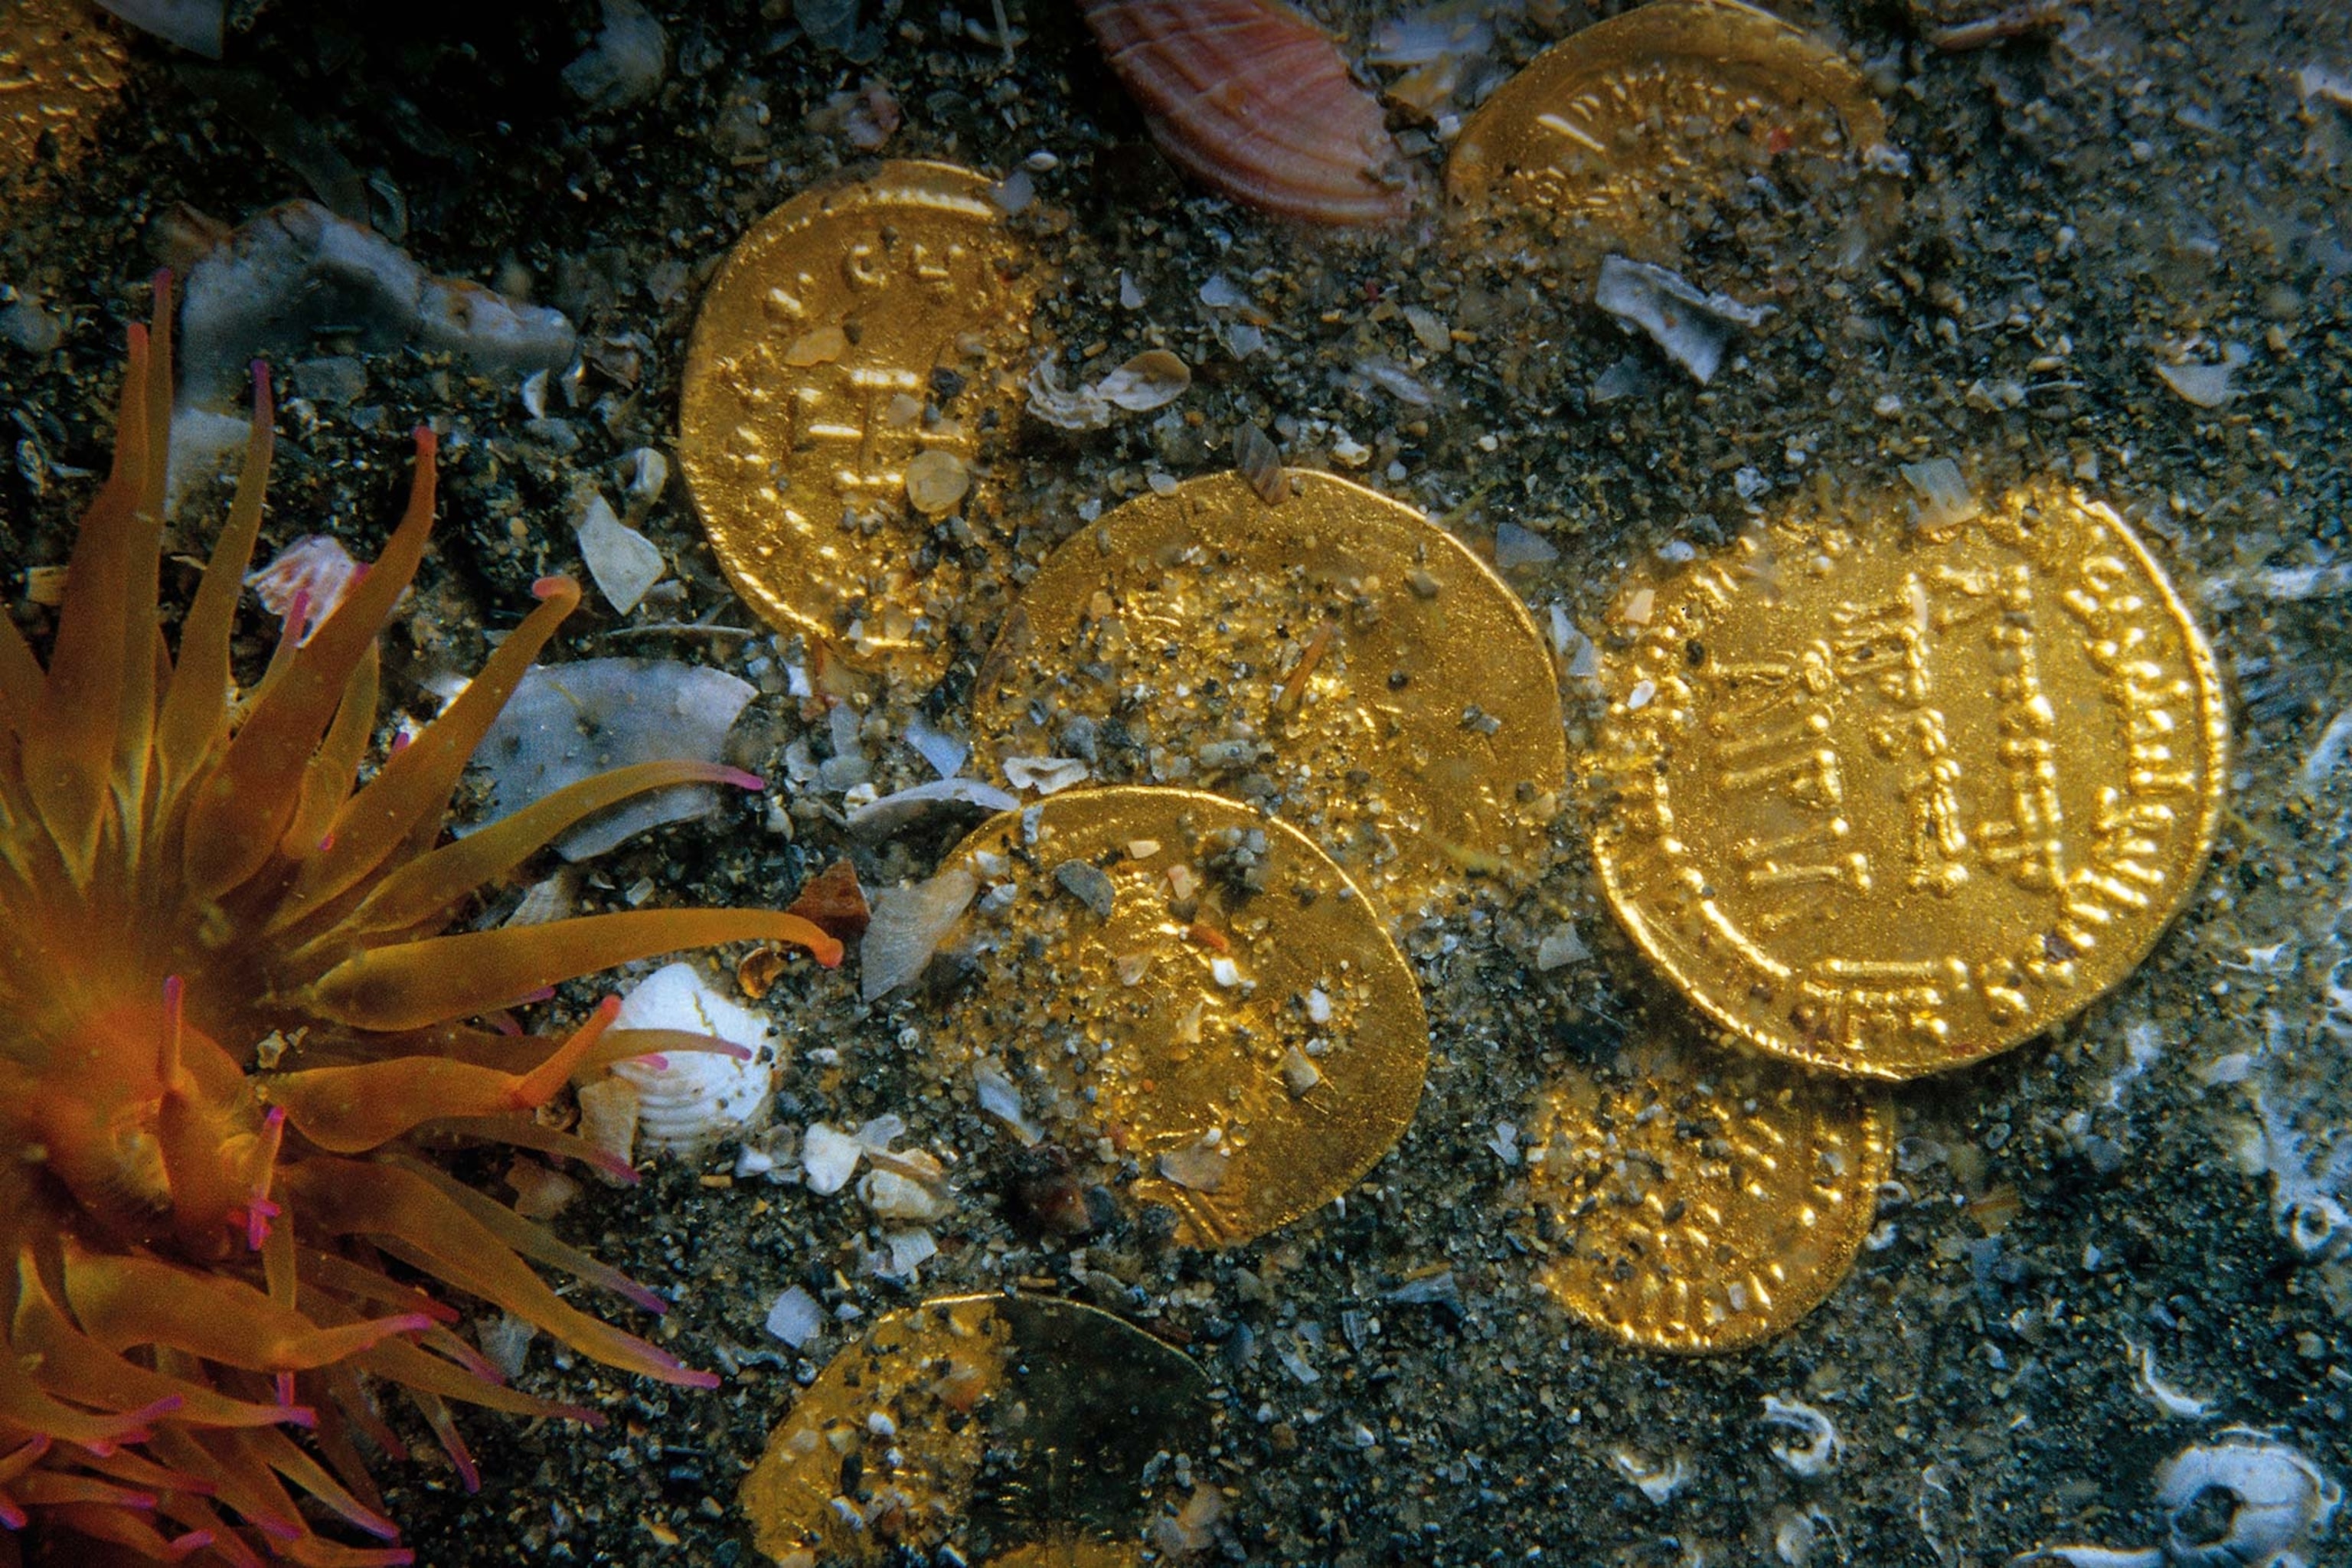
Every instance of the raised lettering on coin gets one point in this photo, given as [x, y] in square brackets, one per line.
[1171, 979]
[851, 332]
[1704, 1201]
[1336, 657]
[1886, 806]
[1640, 131]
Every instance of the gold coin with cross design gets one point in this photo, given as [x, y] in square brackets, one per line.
[855, 365]
[1193, 992]
[1888, 805]
[1702, 1201]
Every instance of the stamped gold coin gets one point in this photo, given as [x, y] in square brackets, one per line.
[855, 357]
[1335, 658]
[1703, 1201]
[1174, 982]
[1639, 128]
[1887, 806]
[62, 65]
[1006, 1429]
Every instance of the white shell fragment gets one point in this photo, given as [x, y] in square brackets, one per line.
[797, 1318]
[1816, 1448]
[315, 569]
[1561, 946]
[1001, 1100]
[2160, 1394]
[298, 270]
[1945, 500]
[2281, 1508]
[906, 927]
[2285, 1503]
[571, 721]
[829, 1158]
[2206, 385]
[624, 562]
[878, 819]
[689, 1101]
[1656, 1479]
[1152, 379]
[1692, 326]
[1046, 776]
[1517, 546]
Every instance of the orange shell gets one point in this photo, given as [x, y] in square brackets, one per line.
[1257, 104]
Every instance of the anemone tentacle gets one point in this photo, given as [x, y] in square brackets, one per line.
[217, 1266]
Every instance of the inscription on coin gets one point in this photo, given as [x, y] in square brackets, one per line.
[1335, 656]
[1643, 130]
[1705, 1201]
[1172, 979]
[850, 336]
[1887, 807]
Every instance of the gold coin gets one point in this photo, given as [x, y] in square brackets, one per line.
[1705, 1201]
[61, 67]
[1887, 806]
[1638, 125]
[1335, 658]
[1009, 1428]
[860, 339]
[1182, 983]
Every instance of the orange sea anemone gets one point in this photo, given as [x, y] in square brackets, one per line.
[218, 1259]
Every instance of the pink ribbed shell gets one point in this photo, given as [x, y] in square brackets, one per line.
[1257, 104]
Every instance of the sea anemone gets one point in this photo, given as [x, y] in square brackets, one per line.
[230, 1024]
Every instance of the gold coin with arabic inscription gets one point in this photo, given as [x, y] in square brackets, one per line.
[1704, 1201]
[858, 341]
[1647, 127]
[1336, 657]
[1175, 981]
[1010, 1430]
[1890, 804]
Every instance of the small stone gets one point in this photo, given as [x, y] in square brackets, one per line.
[937, 482]
[1298, 1074]
[1090, 884]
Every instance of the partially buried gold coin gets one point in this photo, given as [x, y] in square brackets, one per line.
[1335, 658]
[855, 358]
[1640, 128]
[1007, 1429]
[1704, 1201]
[1887, 805]
[1175, 981]
[62, 65]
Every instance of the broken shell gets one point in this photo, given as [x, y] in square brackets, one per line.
[2283, 1502]
[1690, 324]
[688, 1101]
[1257, 104]
[1152, 379]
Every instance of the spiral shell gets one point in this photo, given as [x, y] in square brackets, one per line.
[690, 1100]
[1257, 104]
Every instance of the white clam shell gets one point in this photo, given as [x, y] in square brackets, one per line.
[690, 1100]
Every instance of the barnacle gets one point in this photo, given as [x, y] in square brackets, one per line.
[212, 1267]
